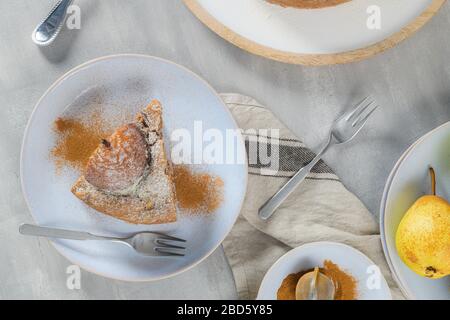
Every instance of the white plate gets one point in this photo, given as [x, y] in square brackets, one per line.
[127, 82]
[313, 254]
[323, 31]
[407, 182]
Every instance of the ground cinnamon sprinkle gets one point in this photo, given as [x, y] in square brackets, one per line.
[197, 193]
[287, 288]
[76, 140]
[345, 284]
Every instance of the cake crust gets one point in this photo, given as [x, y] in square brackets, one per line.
[308, 4]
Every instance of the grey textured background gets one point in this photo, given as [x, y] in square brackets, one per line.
[411, 83]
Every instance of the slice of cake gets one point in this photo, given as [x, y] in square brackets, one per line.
[128, 176]
[308, 4]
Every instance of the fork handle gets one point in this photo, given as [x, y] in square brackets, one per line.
[34, 230]
[267, 210]
[49, 28]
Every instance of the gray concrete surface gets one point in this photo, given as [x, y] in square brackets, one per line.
[411, 82]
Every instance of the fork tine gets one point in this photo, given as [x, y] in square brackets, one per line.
[359, 109]
[167, 244]
[167, 237]
[361, 121]
[358, 114]
[165, 252]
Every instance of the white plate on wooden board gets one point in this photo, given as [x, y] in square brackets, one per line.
[407, 182]
[314, 36]
[127, 83]
[314, 254]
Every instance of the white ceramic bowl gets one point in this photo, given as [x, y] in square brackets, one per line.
[127, 82]
[407, 182]
[314, 254]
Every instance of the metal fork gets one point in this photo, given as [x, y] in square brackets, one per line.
[146, 243]
[344, 129]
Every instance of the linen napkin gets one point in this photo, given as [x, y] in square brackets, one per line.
[322, 209]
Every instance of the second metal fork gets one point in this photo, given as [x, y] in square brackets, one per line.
[146, 242]
[344, 129]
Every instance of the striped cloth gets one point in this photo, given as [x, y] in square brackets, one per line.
[321, 210]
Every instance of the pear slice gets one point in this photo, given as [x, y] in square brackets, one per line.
[315, 285]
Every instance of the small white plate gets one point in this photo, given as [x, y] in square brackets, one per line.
[314, 254]
[407, 182]
[118, 83]
[332, 30]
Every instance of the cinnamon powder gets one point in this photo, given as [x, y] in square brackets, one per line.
[197, 193]
[345, 283]
[76, 140]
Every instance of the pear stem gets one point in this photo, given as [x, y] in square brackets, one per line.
[433, 181]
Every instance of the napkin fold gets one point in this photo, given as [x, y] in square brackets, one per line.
[322, 209]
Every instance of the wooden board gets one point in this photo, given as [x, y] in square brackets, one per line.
[312, 59]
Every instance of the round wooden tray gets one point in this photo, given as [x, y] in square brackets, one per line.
[312, 59]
